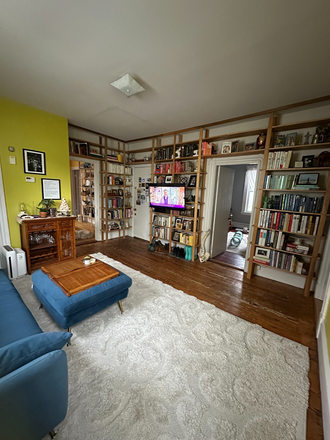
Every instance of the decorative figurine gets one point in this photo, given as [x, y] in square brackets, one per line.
[64, 208]
[265, 202]
[261, 141]
[315, 138]
[307, 136]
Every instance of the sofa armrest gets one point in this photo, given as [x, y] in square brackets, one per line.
[34, 398]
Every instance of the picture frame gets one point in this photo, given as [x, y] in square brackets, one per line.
[178, 223]
[192, 181]
[279, 141]
[184, 180]
[226, 147]
[262, 252]
[176, 236]
[234, 146]
[51, 189]
[34, 161]
[250, 146]
[290, 139]
[308, 161]
[120, 192]
[168, 179]
[308, 179]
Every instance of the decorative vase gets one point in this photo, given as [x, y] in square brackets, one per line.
[52, 212]
[119, 157]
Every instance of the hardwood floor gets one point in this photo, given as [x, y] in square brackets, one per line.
[277, 307]
[231, 259]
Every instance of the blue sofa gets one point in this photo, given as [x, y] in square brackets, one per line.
[33, 371]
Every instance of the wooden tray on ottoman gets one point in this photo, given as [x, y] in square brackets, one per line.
[74, 276]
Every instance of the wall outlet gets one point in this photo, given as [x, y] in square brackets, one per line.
[12, 160]
[30, 179]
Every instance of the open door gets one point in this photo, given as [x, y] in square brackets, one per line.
[222, 204]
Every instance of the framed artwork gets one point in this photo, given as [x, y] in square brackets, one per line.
[176, 236]
[226, 148]
[279, 140]
[120, 192]
[51, 189]
[34, 162]
[184, 180]
[234, 146]
[308, 179]
[168, 179]
[308, 161]
[192, 181]
[261, 252]
[290, 140]
[178, 223]
[250, 146]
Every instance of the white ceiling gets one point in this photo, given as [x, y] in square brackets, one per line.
[199, 61]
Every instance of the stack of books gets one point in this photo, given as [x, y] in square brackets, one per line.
[279, 160]
[281, 261]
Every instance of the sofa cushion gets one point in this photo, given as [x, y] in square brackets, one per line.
[16, 320]
[21, 352]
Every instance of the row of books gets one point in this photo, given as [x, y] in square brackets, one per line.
[297, 203]
[282, 261]
[159, 232]
[279, 160]
[161, 221]
[116, 203]
[163, 168]
[184, 238]
[280, 182]
[118, 168]
[208, 148]
[120, 213]
[279, 240]
[281, 221]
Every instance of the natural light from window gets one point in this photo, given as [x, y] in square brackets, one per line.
[249, 186]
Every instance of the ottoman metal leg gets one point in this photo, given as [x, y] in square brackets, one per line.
[121, 306]
[52, 434]
[41, 306]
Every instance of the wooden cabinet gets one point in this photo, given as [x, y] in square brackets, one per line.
[48, 240]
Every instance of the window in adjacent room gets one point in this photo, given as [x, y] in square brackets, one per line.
[249, 186]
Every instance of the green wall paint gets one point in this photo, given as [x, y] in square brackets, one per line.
[22, 126]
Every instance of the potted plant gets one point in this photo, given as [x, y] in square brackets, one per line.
[45, 206]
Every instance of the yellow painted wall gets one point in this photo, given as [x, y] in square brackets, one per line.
[26, 127]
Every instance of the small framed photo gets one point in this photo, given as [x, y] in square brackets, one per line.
[176, 236]
[51, 189]
[120, 192]
[250, 146]
[290, 140]
[261, 252]
[34, 162]
[308, 161]
[192, 181]
[308, 179]
[178, 223]
[234, 146]
[279, 141]
[184, 180]
[168, 179]
[226, 147]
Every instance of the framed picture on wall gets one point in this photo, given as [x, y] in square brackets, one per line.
[34, 162]
[51, 189]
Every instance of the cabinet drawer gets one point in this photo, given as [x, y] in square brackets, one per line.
[42, 226]
[65, 223]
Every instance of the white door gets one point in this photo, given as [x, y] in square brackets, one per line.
[141, 206]
[223, 195]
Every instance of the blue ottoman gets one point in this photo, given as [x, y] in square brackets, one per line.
[67, 311]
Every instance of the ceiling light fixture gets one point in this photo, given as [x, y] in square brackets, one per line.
[127, 85]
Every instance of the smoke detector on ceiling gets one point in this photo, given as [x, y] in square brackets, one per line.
[127, 85]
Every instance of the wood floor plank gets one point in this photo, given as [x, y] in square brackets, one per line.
[275, 306]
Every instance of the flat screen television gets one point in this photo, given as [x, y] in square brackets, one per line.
[170, 196]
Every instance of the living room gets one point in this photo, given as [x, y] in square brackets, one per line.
[42, 115]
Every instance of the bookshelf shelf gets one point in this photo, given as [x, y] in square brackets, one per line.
[312, 191]
[288, 252]
[282, 270]
[307, 170]
[286, 232]
[238, 134]
[290, 212]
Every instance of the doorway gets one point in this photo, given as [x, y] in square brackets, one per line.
[234, 195]
[84, 200]
[141, 201]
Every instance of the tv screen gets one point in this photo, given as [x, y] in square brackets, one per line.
[167, 196]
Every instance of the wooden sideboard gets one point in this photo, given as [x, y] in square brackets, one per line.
[48, 240]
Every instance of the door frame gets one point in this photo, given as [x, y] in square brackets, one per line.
[134, 195]
[4, 227]
[97, 194]
[211, 170]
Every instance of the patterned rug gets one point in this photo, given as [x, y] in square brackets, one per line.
[175, 368]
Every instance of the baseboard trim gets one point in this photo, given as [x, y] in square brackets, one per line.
[324, 369]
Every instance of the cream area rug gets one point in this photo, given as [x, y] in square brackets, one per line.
[172, 367]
